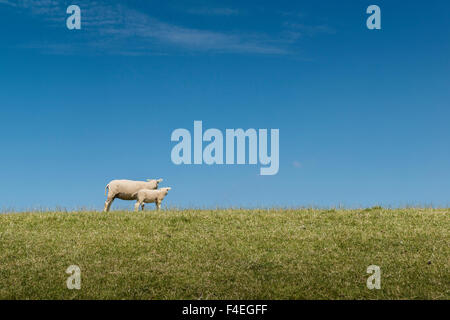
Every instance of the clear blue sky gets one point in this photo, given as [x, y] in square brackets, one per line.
[363, 114]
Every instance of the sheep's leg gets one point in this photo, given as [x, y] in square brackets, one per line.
[108, 203]
[142, 207]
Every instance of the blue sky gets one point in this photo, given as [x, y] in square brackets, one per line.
[363, 114]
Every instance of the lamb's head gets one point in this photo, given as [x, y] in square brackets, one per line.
[158, 182]
[165, 191]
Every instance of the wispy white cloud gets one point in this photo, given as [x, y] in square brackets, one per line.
[213, 11]
[122, 22]
[47, 9]
[118, 25]
[8, 2]
[120, 29]
[309, 30]
[292, 14]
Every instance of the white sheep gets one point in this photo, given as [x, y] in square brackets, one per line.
[150, 196]
[127, 189]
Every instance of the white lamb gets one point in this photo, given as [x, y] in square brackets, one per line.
[150, 196]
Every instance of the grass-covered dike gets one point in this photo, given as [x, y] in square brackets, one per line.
[226, 254]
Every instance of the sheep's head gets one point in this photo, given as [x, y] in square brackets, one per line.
[166, 190]
[157, 181]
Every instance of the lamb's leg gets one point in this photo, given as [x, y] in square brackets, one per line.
[142, 207]
[136, 206]
[158, 205]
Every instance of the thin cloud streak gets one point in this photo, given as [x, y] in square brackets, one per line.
[308, 30]
[125, 31]
[213, 11]
[122, 22]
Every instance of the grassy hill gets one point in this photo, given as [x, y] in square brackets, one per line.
[226, 254]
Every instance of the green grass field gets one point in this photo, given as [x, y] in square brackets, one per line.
[227, 254]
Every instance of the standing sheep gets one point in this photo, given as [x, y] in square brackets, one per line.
[127, 189]
[150, 196]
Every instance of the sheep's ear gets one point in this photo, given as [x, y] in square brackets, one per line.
[159, 180]
[168, 188]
